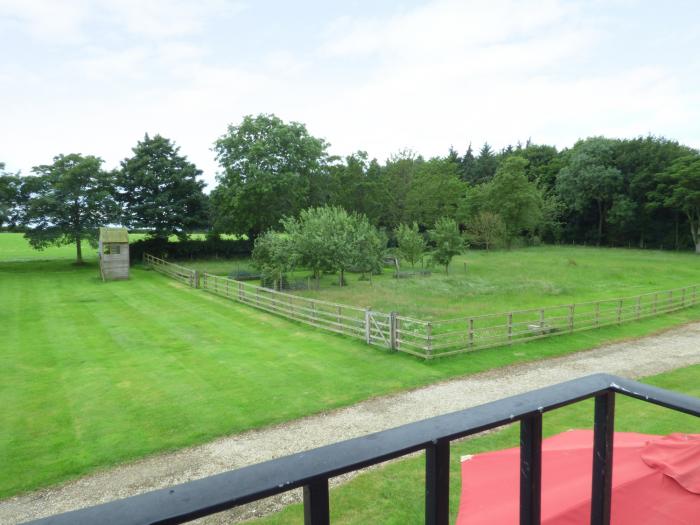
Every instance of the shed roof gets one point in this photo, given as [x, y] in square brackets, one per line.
[114, 235]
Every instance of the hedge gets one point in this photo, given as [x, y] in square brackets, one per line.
[190, 249]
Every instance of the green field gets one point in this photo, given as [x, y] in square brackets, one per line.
[395, 492]
[99, 373]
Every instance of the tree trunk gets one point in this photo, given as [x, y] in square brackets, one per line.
[78, 251]
[342, 272]
[447, 269]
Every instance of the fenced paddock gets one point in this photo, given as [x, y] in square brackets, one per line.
[429, 339]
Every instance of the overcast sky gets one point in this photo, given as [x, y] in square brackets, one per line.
[91, 77]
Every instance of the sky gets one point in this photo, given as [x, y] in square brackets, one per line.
[93, 76]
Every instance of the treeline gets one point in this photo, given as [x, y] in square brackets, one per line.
[642, 192]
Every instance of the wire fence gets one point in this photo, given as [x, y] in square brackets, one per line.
[429, 339]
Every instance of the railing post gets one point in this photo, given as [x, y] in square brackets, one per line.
[471, 331]
[530, 469]
[571, 318]
[541, 321]
[510, 327]
[240, 291]
[368, 327]
[392, 331]
[316, 503]
[437, 483]
[196, 279]
[603, 432]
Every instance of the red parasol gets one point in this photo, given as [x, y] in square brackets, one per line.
[656, 480]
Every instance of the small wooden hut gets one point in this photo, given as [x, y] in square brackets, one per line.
[114, 253]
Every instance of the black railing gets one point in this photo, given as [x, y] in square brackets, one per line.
[312, 470]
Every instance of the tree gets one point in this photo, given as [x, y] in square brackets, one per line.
[411, 242]
[485, 165]
[448, 241]
[515, 199]
[322, 239]
[590, 178]
[435, 191]
[487, 229]
[67, 201]
[467, 165]
[680, 188]
[368, 246]
[159, 190]
[269, 170]
[273, 255]
[10, 191]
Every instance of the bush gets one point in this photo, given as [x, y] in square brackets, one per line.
[190, 249]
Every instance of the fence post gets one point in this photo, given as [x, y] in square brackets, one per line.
[510, 327]
[597, 314]
[257, 296]
[228, 292]
[340, 317]
[429, 332]
[571, 318]
[471, 331]
[619, 311]
[541, 320]
[392, 331]
[240, 291]
[313, 311]
[196, 278]
[368, 328]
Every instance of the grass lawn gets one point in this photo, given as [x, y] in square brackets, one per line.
[394, 494]
[97, 373]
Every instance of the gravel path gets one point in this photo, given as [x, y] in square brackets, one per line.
[675, 348]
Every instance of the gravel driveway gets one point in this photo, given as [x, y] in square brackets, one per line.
[675, 348]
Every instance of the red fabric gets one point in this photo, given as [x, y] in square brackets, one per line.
[654, 481]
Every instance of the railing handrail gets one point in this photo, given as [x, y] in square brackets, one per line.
[312, 469]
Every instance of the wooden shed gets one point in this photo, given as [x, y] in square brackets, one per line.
[114, 253]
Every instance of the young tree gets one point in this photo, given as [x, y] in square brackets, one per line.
[516, 200]
[411, 242]
[487, 229]
[322, 239]
[680, 190]
[274, 255]
[67, 202]
[160, 191]
[448, 241]
[269, 167]
[368, 246]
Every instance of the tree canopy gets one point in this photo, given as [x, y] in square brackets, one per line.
[160, 190]
[67, 201]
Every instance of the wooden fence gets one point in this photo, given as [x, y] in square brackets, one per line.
[429, 339]
[177, 272]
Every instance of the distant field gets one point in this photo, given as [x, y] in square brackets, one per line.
[97, 373]
[396, 492]
[502, 281]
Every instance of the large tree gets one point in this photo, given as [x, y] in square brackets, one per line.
[590, 179]
[435, 191]
[67, 201]
[270, 168]
[515, 199]
[160, 191]
[680, 189]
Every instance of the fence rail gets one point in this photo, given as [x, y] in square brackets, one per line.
[429, 339]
